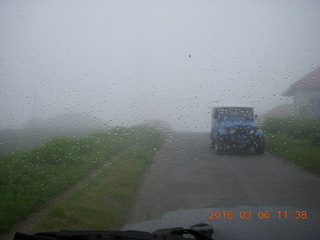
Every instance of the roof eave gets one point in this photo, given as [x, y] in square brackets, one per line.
[288, 93]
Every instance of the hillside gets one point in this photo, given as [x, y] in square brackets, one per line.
[33, 133]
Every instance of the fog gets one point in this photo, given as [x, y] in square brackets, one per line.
[127, 61]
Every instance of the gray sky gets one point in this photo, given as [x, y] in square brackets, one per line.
[124, 61]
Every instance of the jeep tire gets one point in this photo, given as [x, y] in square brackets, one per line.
[212, 144]
[260, 146]
[218, 147]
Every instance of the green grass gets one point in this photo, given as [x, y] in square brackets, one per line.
[29, 179]
[302, 129]
[106, 201]
[296, 140]
[302, 152]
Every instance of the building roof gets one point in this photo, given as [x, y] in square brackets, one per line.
[284, 110]
[310, 81]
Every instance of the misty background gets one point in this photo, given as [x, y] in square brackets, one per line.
[97, 64]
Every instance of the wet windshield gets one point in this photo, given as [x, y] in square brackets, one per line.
[107, 120]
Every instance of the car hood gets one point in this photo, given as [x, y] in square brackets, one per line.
[237, 228]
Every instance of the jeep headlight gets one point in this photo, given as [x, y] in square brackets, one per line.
[232, 130]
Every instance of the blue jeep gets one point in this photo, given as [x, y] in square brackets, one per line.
[234, 127]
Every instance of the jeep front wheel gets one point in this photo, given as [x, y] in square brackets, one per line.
[218, 147]
[260, 146]
[212, 144]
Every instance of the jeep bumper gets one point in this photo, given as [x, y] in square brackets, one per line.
[242, 141]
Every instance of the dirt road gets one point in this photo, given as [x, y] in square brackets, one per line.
[188, 174]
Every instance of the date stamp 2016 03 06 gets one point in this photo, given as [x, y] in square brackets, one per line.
[263, 214]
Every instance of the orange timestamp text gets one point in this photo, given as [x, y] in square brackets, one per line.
[263, 214]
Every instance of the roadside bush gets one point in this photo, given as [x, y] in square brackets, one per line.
[301, 152]
[301, 129]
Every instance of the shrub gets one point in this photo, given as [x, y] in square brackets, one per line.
[301, 129]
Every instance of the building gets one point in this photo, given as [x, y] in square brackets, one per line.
[306, 95]
[284, 110]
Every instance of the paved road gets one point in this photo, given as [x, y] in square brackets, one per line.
[187, 174]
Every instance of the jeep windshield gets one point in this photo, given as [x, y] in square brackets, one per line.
[107, 120]
[234, 112]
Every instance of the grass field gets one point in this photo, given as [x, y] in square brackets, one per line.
[302, 152]
[29, 179]
[106, 201]
[296, 140]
